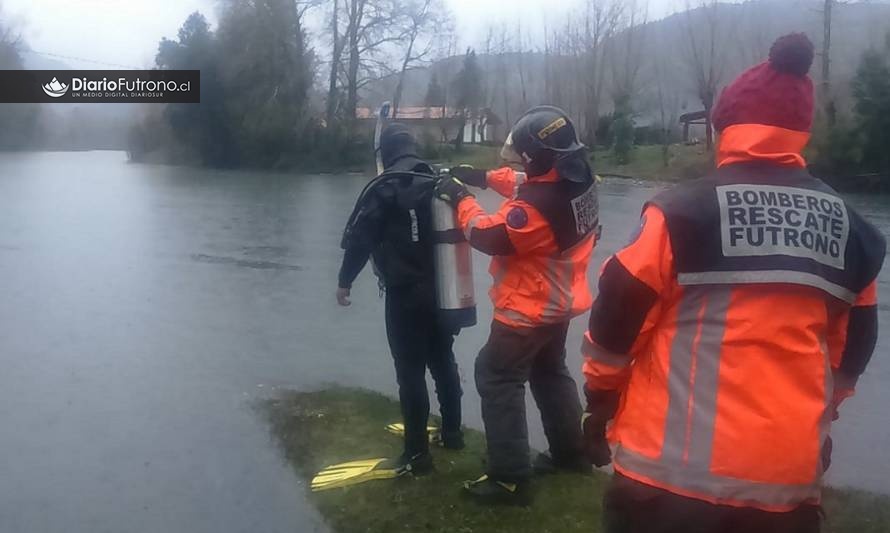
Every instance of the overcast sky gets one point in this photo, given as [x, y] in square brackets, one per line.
[126, 32]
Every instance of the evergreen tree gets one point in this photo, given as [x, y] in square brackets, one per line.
[267, 74]
[871, 90]
[468, 88]
[435, 94]
[203, 128]
[623, 130]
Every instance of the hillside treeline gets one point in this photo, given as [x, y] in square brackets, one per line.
[282, 80]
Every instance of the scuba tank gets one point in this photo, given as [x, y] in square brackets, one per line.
[452, 257]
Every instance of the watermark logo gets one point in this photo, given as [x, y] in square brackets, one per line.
[94, 86]
[55, 88]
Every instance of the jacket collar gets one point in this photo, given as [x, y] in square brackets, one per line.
[748, 143]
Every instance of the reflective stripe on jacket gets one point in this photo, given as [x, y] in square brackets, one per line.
[733, 352]
[540, 257]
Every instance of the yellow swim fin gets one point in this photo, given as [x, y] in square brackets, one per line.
[353, 473]
[398, 429]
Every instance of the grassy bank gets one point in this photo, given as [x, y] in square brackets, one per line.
[323, 428]
[647, 162]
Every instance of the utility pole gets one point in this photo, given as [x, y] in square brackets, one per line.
[827, 97]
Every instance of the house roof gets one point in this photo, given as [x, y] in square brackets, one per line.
[692, 117]
[408, 113]
[419, 113]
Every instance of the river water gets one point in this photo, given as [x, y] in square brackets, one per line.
[145, 309]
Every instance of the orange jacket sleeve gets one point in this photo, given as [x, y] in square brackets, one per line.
[516, 228]
[628, 306]
[504, 181]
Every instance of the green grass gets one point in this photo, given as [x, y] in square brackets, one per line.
[319, 429]
[475, 155]
[647, 162]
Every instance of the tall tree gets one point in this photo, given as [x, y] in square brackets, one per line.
[666, 99]
[827, 97]
[435, 95]
[337, 43]
[601, 20]
[705, 54]
[468, 90]
[204, 127]
[422, 20]
[871, 90]
[267, 76]
[370, 26]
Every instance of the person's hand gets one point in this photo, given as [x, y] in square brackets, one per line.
[596, 447]
[826, 454]
[452, 190]
[343, 297]
[471, 176]
[601, 407]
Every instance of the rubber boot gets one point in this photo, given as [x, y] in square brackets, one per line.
[544, 464]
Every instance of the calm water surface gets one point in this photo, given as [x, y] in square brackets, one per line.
[144, 309]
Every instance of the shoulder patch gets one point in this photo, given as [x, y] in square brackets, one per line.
[517, 218]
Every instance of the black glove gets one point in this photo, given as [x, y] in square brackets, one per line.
[596, 447]
[452, 190]
[826, 454]
[601, 407]
[471, 176]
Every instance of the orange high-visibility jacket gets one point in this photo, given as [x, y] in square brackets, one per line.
[542, 239]
[733, 325]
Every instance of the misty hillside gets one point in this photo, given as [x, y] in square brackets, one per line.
[747, 30]
[82, 126]
[35, 61]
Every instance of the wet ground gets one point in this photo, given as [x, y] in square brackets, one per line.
[145, 309]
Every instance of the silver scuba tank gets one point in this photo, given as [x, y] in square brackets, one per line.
[452, 257]
[453, 262]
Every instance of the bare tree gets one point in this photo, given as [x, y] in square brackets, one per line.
[446, 74]
[423, 20]
[705, 55]
[827, 96]
[370, 26]
[752, 34]
[521, 65]
[337, 43]
[503, 47]
[601, 21]
[667, 101]
[627, 57]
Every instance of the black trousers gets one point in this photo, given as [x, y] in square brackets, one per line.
[511, 357]
[417, 343]
[633, 507]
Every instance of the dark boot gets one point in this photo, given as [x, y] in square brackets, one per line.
[487, 491]
[418, 465]
[544, 464]
[452, 440]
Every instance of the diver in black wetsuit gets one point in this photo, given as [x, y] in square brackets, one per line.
[392, 223]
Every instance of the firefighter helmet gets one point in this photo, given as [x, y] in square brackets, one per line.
[545, 137]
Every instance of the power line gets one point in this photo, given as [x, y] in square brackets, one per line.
[84, 60]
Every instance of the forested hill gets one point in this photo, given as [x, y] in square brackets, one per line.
[744, 33]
